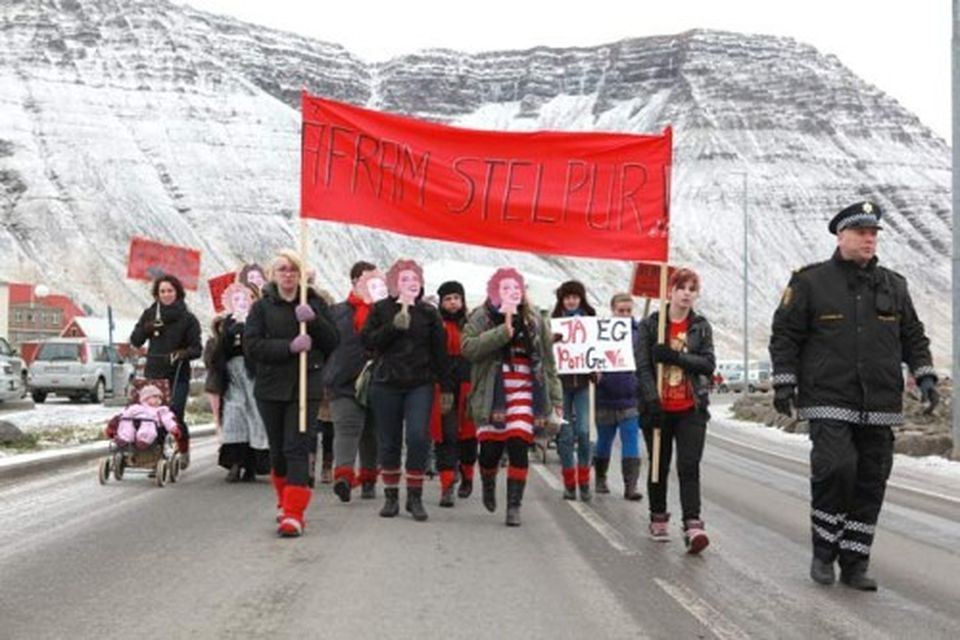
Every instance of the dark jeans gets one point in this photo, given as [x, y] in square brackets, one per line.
[849, 467]
[689, 430]
[326, 438]
[402, 414]
[289, 449]
[450, 449]
[179, 390]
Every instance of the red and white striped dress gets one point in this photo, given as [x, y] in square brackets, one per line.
[518, 390]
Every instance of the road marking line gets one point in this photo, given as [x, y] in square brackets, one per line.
[700, 609]
[610, 534]
[775, 454]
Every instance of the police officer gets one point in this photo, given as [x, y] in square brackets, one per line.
[839, 336]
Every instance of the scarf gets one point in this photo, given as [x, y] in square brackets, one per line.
[361, 309]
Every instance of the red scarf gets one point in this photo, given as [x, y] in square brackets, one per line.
[361, 310]
[453, 337]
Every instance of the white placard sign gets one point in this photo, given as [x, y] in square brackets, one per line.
[589, 343]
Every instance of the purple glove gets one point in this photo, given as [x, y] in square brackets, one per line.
[305, 313]
[301, 343]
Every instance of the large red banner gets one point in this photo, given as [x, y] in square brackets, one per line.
[600, 195]
[148, 260]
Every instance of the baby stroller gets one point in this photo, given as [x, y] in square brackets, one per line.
[160, 459]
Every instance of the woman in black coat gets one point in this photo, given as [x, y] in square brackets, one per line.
[273, 342]
[174, 336]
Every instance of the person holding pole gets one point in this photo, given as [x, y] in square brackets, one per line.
[410, 349]
[514, 384]
[840, 334]
[575, 431]
[272, 339]
[680, 406]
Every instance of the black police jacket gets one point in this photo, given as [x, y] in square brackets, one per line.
[271, 325]
[840, 334]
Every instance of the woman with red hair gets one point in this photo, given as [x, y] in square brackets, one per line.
[679, 406]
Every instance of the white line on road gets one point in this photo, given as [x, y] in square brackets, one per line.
[775, 454]
[611, 535]
[700, 609]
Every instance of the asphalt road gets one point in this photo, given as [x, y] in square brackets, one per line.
[200, 559]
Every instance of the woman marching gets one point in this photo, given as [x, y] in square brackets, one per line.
[617, 413]
[229, 385]
[453, 432]
[407, 338]
[272, 340]
[174, 336]
[514, 384]
[679, 407]
[575, 431]
[354, 429]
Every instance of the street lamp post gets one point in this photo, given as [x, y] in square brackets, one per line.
[955, 369]
[746, 288]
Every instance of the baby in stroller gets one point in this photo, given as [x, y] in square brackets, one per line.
[139, 423]
[144, 436]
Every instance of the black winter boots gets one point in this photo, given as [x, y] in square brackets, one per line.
[601, 465]
[391, 503]
[514, 499]
[631, 474]
[415, 504]
[489, 485]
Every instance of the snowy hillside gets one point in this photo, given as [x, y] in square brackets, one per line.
[123, 117]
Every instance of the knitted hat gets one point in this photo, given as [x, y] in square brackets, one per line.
[149, 391]
[451, 286]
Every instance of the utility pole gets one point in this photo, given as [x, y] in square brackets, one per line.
[955, 369]
[746, 289]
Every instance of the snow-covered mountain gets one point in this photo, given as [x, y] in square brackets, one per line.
[123, 117]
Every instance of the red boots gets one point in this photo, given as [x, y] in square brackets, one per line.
[295, 501]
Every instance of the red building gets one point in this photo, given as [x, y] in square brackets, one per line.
[26, 318]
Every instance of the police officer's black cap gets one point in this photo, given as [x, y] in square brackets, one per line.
[861, 214]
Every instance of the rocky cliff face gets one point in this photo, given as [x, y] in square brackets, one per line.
[125, 117]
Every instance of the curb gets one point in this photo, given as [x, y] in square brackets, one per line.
[25, 464]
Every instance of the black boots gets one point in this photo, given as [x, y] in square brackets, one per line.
[856, 577]
[601, 465]
[631, 474]
[446, 497]
[415, 504]
[368, 490]
[391, 503]
[514, 498]
[465, 488]
[821, 571]
[489, 485]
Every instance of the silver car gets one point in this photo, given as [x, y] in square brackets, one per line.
[13, 374]
[77, 368]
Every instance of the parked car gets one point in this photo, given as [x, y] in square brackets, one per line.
[77, 368]
[731, 373]
[13, 373]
